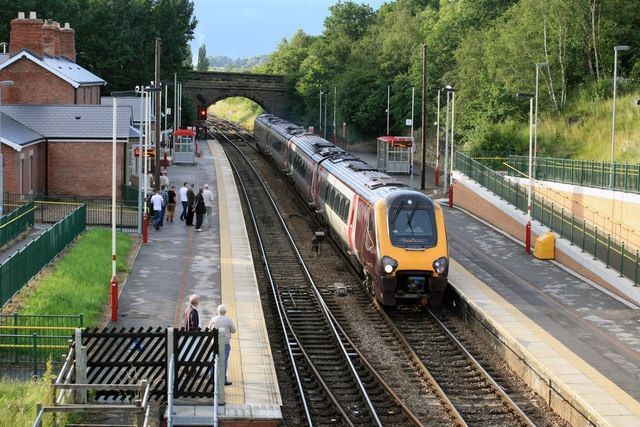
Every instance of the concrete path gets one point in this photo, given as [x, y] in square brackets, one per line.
[16, 246]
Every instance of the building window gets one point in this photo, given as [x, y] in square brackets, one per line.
[31, 172]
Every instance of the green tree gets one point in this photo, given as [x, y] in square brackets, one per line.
[203, 61]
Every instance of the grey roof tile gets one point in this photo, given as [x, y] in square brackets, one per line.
[16, 132]
[72, 121]
[72, 70]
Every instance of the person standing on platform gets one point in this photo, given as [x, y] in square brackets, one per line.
[190, 318]
[165, 200]
[222, 321]
[191, 198]
[208, 204]
[171, 204]
[183, 200]
[199, 209]
[156, 202]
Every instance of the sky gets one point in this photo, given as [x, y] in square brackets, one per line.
[244, 28]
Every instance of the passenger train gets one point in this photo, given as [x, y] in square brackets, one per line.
[396, 235]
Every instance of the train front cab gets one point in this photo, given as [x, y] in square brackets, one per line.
[413, 251]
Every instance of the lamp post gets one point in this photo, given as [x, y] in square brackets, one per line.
[449, 90]
[388, 105]
[529, 187]
[453, 116]
[535, 129]
[320, 114]
[147, 91]
[613, 120]
[437, 170]
[335, 102]
[324, 132]
[3, 83]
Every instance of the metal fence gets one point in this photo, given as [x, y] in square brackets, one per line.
[51, 209]
[615, 254]
[28, 341]
[14, 223]
[588, 173]
[16, 271]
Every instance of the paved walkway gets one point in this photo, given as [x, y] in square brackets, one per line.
[16, 246]
[176, 262]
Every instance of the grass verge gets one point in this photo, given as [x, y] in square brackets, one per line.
[79, 280]
[18, 400]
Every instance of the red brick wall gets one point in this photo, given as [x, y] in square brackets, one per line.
[82, 168]
[12, 169]
[68, 42]
[35, 85]
[26, 34]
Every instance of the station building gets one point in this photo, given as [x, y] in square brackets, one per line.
[56, 136]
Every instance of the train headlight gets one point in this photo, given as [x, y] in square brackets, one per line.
[389, 264]
[440, 265]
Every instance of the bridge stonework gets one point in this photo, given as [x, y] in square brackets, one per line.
[209, 87]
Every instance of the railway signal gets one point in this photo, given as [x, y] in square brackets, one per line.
[202, 112]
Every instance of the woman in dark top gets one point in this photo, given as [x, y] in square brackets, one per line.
[199, 209]
[171, 204]
[191, 197]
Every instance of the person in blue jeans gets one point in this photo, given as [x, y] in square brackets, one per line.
[156, 204]
[222, 321]
[165, 200]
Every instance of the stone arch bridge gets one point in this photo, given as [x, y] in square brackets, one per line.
[209, 87]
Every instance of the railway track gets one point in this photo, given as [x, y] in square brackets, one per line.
[336, 384]
[465, 392]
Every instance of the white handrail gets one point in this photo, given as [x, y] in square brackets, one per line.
[216, 390]
[170, 381]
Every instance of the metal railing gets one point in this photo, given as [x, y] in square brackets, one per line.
[588, 173]
[16, 222]
[51, 209]
[614, 253]
[17, 270]
[27, 342]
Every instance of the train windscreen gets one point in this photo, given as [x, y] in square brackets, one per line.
[412, 224]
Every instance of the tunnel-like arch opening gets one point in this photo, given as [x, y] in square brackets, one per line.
[237, 109]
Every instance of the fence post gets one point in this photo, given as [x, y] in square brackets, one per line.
[15, 338]
[573, 224]
[81, 320]
[608, 248]
[551, 217]
[34, 349]
[561, 222]
[222, 364]
[635, 279]
[81, 366]
[626, 173]
[622, 260]
[171, 354]
[584, 232]
[595, 244]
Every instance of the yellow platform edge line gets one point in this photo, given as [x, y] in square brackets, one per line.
[627, 401]
[233, 394]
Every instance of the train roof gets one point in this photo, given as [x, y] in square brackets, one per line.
[362, 178]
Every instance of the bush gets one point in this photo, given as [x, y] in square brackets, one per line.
[502, 138]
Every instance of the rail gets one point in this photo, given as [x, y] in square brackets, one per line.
[616, 254]
[588, 173]
[16, 271]
[15, 222]
[289, 329]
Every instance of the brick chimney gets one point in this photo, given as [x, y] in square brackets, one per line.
[51, 38]
[68, 42]
[26, 34]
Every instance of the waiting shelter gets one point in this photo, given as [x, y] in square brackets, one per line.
[395, 154]
[184, 146]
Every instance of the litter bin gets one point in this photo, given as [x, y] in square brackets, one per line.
[545, 246]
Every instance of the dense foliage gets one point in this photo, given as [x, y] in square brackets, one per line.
[203, 61]
[224, 63]
[115, 39]
[486, 49]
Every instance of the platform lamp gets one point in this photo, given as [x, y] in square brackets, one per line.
[437, 169]
[539, 65]
[529, 187]
[3, 83]
[616, 49]
[448, 180]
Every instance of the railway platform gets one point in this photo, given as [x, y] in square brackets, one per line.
[217, 265]
[574, 342]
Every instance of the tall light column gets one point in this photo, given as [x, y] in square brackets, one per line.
[388, 105]
[335, 102]
[320, 113]
[114, 153]
[4, 83]
[324, 132]
[535, 129]
[613, 120]
[527, 244]
[453, 116]
[446, 145]
[437, 170]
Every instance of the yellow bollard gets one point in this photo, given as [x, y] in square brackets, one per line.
[545, 246]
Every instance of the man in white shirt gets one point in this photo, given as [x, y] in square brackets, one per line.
[222, 321]
[208, 204]
[182, 193]
[156, 203]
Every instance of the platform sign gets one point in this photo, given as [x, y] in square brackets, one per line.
[151, 152]
[408, 122]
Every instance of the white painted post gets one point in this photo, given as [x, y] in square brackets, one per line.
[221, 365]
[81, 366]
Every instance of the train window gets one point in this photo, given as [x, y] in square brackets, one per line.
[412, 224]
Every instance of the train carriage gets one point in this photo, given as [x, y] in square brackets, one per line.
[395, 234]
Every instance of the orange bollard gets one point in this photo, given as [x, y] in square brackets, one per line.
[145, 228]
[114, 299]
[527, 238]
[451, 196]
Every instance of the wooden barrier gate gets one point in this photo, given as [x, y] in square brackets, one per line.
[129, 356]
